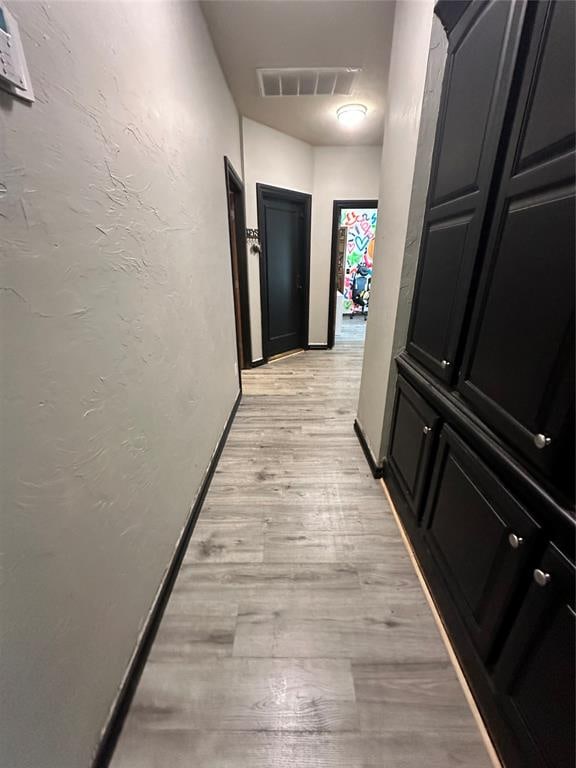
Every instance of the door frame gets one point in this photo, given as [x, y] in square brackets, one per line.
[291, 196]
[337, 207]
[235, 186]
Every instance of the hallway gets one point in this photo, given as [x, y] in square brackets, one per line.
[297, 633]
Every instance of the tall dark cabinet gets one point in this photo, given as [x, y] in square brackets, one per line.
[479, 68]
[481, 457]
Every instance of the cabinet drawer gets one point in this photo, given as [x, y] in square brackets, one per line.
[414, 427]
[535, 673]
[479, 535]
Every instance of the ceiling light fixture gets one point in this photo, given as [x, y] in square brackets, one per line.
[351, 114]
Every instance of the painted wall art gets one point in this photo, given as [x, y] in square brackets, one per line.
[360, 224]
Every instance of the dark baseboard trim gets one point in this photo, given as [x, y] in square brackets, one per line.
[256, 363]
[376, 470]
[317, 346]
[121, 707]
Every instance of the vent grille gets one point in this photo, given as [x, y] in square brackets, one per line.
[333, 81]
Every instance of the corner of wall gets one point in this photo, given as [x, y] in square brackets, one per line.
[406, 82]
[327, 172]
[420, 185]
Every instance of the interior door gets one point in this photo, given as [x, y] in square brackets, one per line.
[518, 365]
[479, 67]
[233, 224]
[237, 233]
[284, 225]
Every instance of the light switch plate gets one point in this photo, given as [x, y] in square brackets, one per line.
[14, 75]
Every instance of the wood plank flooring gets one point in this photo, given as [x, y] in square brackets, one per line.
[297, 635]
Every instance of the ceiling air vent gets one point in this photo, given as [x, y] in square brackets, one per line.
[325, 81]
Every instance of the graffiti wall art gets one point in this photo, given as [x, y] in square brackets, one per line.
[360, 224]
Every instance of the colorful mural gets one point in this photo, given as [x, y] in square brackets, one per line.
[361, 227]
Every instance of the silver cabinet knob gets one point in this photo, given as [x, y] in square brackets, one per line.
[515, 541]
[541, 441]
[541, 578]
[445, 363]
[426, 430]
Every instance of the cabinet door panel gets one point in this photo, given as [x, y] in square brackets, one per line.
[554, 87]
[518, 369]
[445, 243]
[535, 674]
[472, 74]
[514, 356]
[481, 55]
[413, 431]
[469, 520]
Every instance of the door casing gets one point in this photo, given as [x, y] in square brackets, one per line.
[337, 207]
[235, 186]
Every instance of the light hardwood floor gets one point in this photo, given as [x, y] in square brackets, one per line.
[297, 635]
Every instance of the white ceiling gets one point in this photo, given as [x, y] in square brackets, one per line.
[249, 34]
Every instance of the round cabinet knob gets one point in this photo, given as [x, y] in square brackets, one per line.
[541, 441]
[426, 430]
[541, 578]
[445, 363]
[515, 541]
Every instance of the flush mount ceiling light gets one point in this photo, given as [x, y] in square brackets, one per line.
[351, 114]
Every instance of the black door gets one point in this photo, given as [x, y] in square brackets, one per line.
[535, 672]
[479, 535]
[284, 223]
[237, 231]
[481, 56]
[518, 365]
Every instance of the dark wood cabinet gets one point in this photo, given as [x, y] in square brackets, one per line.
[518, 370]
[415, 426]
[481, 56]
[479, 535]
[487, 496]
[535, 673]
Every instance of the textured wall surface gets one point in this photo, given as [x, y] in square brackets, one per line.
[410, 45]
[274, 158]
[340, 173]
[117, 347]
[423, 163]
[328, 173]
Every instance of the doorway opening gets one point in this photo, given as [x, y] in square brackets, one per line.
[353, 239]
[237, 231]
[284, 227]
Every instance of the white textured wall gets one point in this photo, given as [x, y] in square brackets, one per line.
[410, 45]
[274, 158]
[117, 365]
[420, 182]
[328, 173]
[340, 173]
